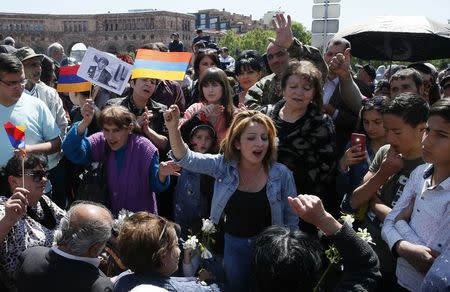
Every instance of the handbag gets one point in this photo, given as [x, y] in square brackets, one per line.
[93, 182]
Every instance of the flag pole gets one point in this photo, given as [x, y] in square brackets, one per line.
[23, 167]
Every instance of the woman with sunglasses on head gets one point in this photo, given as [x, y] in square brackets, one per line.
[28, 217]
[148, 246]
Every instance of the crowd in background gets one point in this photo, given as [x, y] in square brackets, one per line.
[268, 149]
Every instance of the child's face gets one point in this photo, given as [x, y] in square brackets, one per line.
[201, 141]
[404, 138]
[373, 124]
[436, 141]
[212, 91]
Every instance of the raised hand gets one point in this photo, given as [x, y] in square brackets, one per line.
[340, 64]
[145, 119]
[167, 168]
[172, 117]
[212, 111]
[310, 209]
[392, 163]
[88, 111]
[16, 206]
[283, 30]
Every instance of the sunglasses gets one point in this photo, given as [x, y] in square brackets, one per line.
[164, 227]
[37, 175]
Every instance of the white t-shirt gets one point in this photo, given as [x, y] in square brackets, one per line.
[34, 114]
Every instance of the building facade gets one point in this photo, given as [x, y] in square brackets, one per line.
[213, 20]
[111, 32]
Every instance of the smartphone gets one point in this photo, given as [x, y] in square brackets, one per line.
[359, 139]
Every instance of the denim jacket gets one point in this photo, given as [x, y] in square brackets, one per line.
[128, 280]
[280, 185]
[190, 205]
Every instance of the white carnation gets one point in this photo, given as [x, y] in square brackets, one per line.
[206, 254]
[365, 235]
[208, 227]
[348, 218]
[191, 242]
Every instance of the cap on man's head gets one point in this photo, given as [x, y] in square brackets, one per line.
[425, 68]
[175, 34]
[26, 53]
[224, 49]
[370, 70]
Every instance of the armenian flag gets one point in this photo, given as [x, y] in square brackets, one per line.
[68, 81]
[160, 65]
[16, 135]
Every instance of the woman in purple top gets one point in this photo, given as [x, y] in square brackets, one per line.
[133, 170]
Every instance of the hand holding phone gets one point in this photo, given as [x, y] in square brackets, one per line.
[359, 139]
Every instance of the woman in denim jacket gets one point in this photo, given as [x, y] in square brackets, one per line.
[250, 191]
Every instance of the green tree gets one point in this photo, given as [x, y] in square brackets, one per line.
[299, 31]
[257, 39]
[232, 41]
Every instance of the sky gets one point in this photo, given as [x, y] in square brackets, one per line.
[352, 11]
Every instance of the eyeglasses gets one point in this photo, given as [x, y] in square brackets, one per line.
[14, 83]
[37, 175]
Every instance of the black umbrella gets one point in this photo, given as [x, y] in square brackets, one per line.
[399, 38]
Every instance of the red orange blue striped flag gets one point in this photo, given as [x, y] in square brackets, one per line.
[16, 135]
[160, 65]
[68, 81]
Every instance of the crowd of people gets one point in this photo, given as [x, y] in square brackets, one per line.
[268, 149]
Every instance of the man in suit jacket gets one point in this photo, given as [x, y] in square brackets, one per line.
[342, 100]
[71, 265]
[99, 72]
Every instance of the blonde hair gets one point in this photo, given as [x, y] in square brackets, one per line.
[238, 126]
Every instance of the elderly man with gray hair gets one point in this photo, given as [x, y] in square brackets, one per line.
[72, 264]
[56, 52]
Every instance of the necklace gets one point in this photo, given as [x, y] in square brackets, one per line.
[249, 182]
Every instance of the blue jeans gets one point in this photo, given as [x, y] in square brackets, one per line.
[238, 262]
